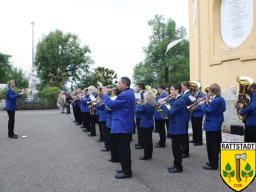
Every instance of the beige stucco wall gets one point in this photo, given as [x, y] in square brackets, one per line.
[211, 61]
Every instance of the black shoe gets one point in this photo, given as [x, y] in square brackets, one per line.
[113, 161]
[78, 123]
[175, 170]
[159, 146]
[14, 137]
[169, 168]
[82, 127]
[192, 141]
[91, 135]
[100, 140]
[74, 122]
[145, 158]
[86, 130]
[119, 171]
[185, 156]
[105, 150]
[209, 167]
[122, 175]
[139, 147]
[198, 144]
[137, 144]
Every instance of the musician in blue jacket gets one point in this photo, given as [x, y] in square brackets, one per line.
[139, 145]
[159, 120]
[122, 124]
[11, 107]
[197, 120]
[186, 94]
[177, 128]
[250, 121]
[213, 109]
[146, 111]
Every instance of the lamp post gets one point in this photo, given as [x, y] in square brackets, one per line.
[33, 47]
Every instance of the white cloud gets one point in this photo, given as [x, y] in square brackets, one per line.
[115, 30]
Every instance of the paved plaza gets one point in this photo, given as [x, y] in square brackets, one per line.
[56, 156]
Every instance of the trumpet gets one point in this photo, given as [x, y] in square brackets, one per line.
[194, 105]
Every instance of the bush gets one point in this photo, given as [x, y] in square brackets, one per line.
[48, 95]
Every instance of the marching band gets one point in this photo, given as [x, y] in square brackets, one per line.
[118, 110]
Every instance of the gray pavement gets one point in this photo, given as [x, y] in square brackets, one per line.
[57, 156]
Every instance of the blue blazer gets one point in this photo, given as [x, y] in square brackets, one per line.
[214, 114]
[102, 112]
[123, 111]
[11, 98]
[109, 118]
[137, 115]
[198, 111]
[250, 110]
[188, 102]
[146, 112]
[177, 115]
[82, 105]
[157, 115]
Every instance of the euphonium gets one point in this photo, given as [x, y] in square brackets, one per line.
[243, 99]
[168, 105]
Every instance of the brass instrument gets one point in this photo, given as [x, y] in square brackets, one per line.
[168, 105]
[206, 89]
[243, 99]
[194, 105]
[193, 86]
[154, 91]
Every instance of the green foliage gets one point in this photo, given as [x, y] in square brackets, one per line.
[59, 57]
[8, 72]
[247, 172]
[228, 172]
[5, 67]
[151, 70]
[247, 167]
[48, 95]
[100, 74]
[228, 167]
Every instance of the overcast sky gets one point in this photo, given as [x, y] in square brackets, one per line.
[115, 30]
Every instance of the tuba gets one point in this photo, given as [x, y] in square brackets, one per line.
[168, 105]
[193, 86]
[243, 99]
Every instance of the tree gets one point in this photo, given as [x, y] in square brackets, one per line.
[151, 70]
[100, 74]
[8, 72]
[5, 68]
[19, 77]
[60, 57]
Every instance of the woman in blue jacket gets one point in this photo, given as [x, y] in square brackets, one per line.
[214, 110]
[11, 107]
[146, 111]
[250, 121]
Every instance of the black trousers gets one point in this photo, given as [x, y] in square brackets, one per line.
[177, 141]
[140, 136]
[92, 120]
[160, 127]
[148, 142]
[79, 115]
[75, 112]
[113, 147]
[105, 132]
[87, 120]
[84, 117]
[197, 129]
[167, 124]
[11, 122]
[213, 140]
[101, 124]
[250, 134]
[68, 107]
[124, 151]
[185, 143]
